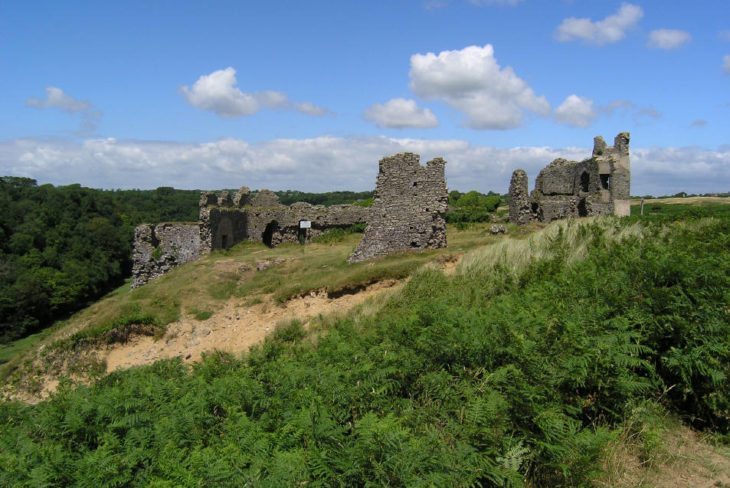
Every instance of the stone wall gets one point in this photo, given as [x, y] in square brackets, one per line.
[159, 248]
[262, 218]
[519, 203]
[409, 208]
[227, 219]
[598, 185]
[222, 221]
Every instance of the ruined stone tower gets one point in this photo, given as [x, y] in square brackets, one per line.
[409, 208]
[599, 185]
[519, 203]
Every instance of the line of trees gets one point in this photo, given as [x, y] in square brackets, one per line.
[61, 247]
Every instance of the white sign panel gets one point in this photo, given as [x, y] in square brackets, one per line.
[305, 224]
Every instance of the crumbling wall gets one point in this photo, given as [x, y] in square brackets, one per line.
[275, 225]
[159, 248]
[519, 202]
[226, 220]
[409, 208]
[598, 185]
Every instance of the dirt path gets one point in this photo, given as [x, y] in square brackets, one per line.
[234, 328]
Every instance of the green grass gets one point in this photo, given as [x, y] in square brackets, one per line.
[200, 286]
[12, 349]
[522, 368]
[655, 210]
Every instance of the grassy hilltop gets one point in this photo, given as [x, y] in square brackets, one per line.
[587, 352]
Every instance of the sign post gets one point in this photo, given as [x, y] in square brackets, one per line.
[304, 225]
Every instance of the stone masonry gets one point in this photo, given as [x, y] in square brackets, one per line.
[519, 207]
[409, 208]
[598, 185]
[159, 248]
[226, 220]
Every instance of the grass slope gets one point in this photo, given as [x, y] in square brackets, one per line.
[525, 367]
[199, 289]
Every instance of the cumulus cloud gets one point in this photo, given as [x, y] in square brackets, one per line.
[668, 38]
[218, 92]
[471, 81]
[57, 99]
[400, 113]
[609, 30]
[576, 111]
[332, 163]
[726, 63]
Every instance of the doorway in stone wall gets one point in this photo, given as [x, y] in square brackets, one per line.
[582, 208]
[268, 236]
[585, 181]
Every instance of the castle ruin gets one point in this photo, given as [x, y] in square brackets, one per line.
[598, 185]
[226, 220]
[409, 208]
[408, 213]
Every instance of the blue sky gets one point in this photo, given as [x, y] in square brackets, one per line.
[310, 95]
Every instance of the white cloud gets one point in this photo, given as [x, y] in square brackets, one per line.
[332, 163]
[58, 100]
[668, 38]
[218, 92]
[726, 63]
[576, 111]
[400, 113]
[609, 30]
[471, 81]
[310, 109]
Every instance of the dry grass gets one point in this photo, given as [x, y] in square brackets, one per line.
[684, 201]
[516, 255]
[680, 457]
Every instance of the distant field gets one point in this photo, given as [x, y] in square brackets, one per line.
[666, 209]
[685, 201]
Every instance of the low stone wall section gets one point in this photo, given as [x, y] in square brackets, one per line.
[159, 248]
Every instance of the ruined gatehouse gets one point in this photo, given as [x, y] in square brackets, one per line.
[409, 208]
[598, 185]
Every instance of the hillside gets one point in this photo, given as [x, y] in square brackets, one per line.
[570, 356]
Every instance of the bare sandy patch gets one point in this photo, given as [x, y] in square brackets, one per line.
[234, 328]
